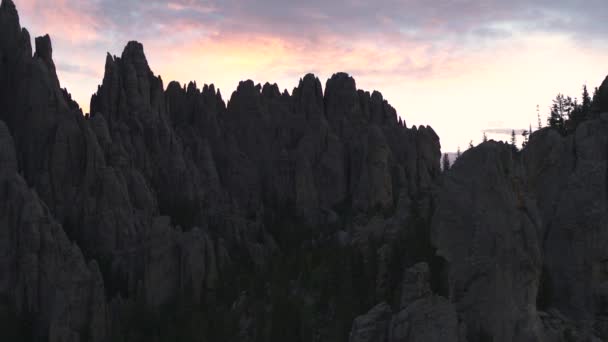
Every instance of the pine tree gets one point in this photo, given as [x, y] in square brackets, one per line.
[513, 138]
[458, 153]
[540, 125]
[555, 119]
[484, 138]
[559, 109]
[471, 144]
[586, 103]
[575, 116]
[595, 103]
[446, 162]
[525, 135]
[596, 94]
[569, 104]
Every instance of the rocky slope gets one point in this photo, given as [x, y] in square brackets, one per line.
[524, 236]
[168, 203]
[169, 215]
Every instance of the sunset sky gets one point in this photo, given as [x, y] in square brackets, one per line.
[461, 66]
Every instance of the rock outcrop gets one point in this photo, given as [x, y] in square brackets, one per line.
[421, 315]
[574, 221]
[488, 230]
[523, 237]
[167, 197]
[45, 278]
[170, 214]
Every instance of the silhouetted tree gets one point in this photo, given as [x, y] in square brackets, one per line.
[540, 124]
[485, 137]
[569, 105]
[446, 162]
[458, 153]
[560, 109]
[596, 94]
[575, 116]
[586, 103]
[555, 119]
[581, 112]
[471, 144]
[513, 138]
[525, 135]
[567, 113]
[595, 104]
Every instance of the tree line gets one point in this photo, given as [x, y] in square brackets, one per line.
[565, 114]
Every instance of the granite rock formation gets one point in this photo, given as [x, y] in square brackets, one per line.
[420, 316]
[524, 234]
[168, 200]
[316, 215]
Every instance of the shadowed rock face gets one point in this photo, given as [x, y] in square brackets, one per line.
[169, 214]
[574, 225]
[163, 197]
[524, 237]
[488, 230]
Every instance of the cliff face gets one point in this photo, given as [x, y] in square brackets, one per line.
[168, 214]
[524, 236]
[520, 240]
[487, 228]
[45, 281]
[574, 171]
[167, 201]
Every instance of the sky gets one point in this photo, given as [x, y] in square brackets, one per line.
[460, 66]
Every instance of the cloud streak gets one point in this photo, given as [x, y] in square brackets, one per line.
[439, 20]
[504, 131]
[76, 69]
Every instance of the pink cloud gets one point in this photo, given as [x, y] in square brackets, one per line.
[67, 20]
[197, 6]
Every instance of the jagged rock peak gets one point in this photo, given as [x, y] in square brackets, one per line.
[44, 50]
[110, 60]
[429, 130]
[247, 94]
[44, 47]
[271, 90]
[209, 89]
[310, 84]
[247, 88]
[174, 86]
[134, 53]
[9, 24]
[345, 107]
[133, 49]
[192, 88]
[8, 5]
[308, 97]
[309, 78]
[340, 80]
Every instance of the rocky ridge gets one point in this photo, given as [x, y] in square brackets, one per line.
[169, 214]
[166, 196]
